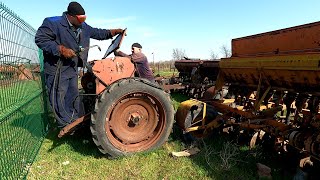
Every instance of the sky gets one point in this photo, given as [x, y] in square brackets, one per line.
[195, 27]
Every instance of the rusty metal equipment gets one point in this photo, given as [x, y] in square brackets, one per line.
[127, 114]
[195, 76]
[269, 87]
[197, 71]
[20, 72]
[298, 39]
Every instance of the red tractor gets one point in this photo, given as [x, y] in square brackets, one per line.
[128, 114]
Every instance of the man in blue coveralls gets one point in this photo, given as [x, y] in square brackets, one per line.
[61, 38]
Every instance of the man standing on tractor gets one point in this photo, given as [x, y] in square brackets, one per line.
[62, 39]
[140, 61]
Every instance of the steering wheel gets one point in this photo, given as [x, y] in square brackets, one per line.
[115, 44]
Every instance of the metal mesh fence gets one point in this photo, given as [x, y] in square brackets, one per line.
[23, 120]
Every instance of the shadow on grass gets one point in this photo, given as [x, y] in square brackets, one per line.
[31, 122]
[80, 141]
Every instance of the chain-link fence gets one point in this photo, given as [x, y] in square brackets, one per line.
[23, 121]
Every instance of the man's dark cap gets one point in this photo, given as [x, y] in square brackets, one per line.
[75, 8]
[137, 45]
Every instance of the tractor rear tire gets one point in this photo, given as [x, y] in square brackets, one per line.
[132, 115]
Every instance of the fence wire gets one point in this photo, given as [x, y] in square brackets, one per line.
[23, 120]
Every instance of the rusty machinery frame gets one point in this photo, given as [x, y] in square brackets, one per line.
[268, 73]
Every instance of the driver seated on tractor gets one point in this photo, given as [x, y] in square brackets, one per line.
[61, 39]
[139, 60]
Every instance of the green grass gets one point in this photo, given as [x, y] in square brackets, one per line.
[166, 73]
[177, 98]
[77, 157]
[22, 126]
[17, 93]
[21, 134]
[87, 163]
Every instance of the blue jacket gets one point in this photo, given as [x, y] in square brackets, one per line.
[56, 31]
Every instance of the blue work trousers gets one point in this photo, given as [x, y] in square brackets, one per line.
[64, 98]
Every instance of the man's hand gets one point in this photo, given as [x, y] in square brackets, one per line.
[66, 52]
[115, 31]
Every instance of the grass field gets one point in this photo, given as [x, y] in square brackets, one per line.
[165, 73]
[17, 92]
[76, 157]
[21, 126]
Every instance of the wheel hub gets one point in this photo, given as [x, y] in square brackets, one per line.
[133, 121]
[135, 118]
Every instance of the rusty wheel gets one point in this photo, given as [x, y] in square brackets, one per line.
[131, 116]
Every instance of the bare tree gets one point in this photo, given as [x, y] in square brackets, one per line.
[225, 51]
[213, 55]
[178, 54]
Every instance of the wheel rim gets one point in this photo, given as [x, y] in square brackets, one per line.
[135, 122]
